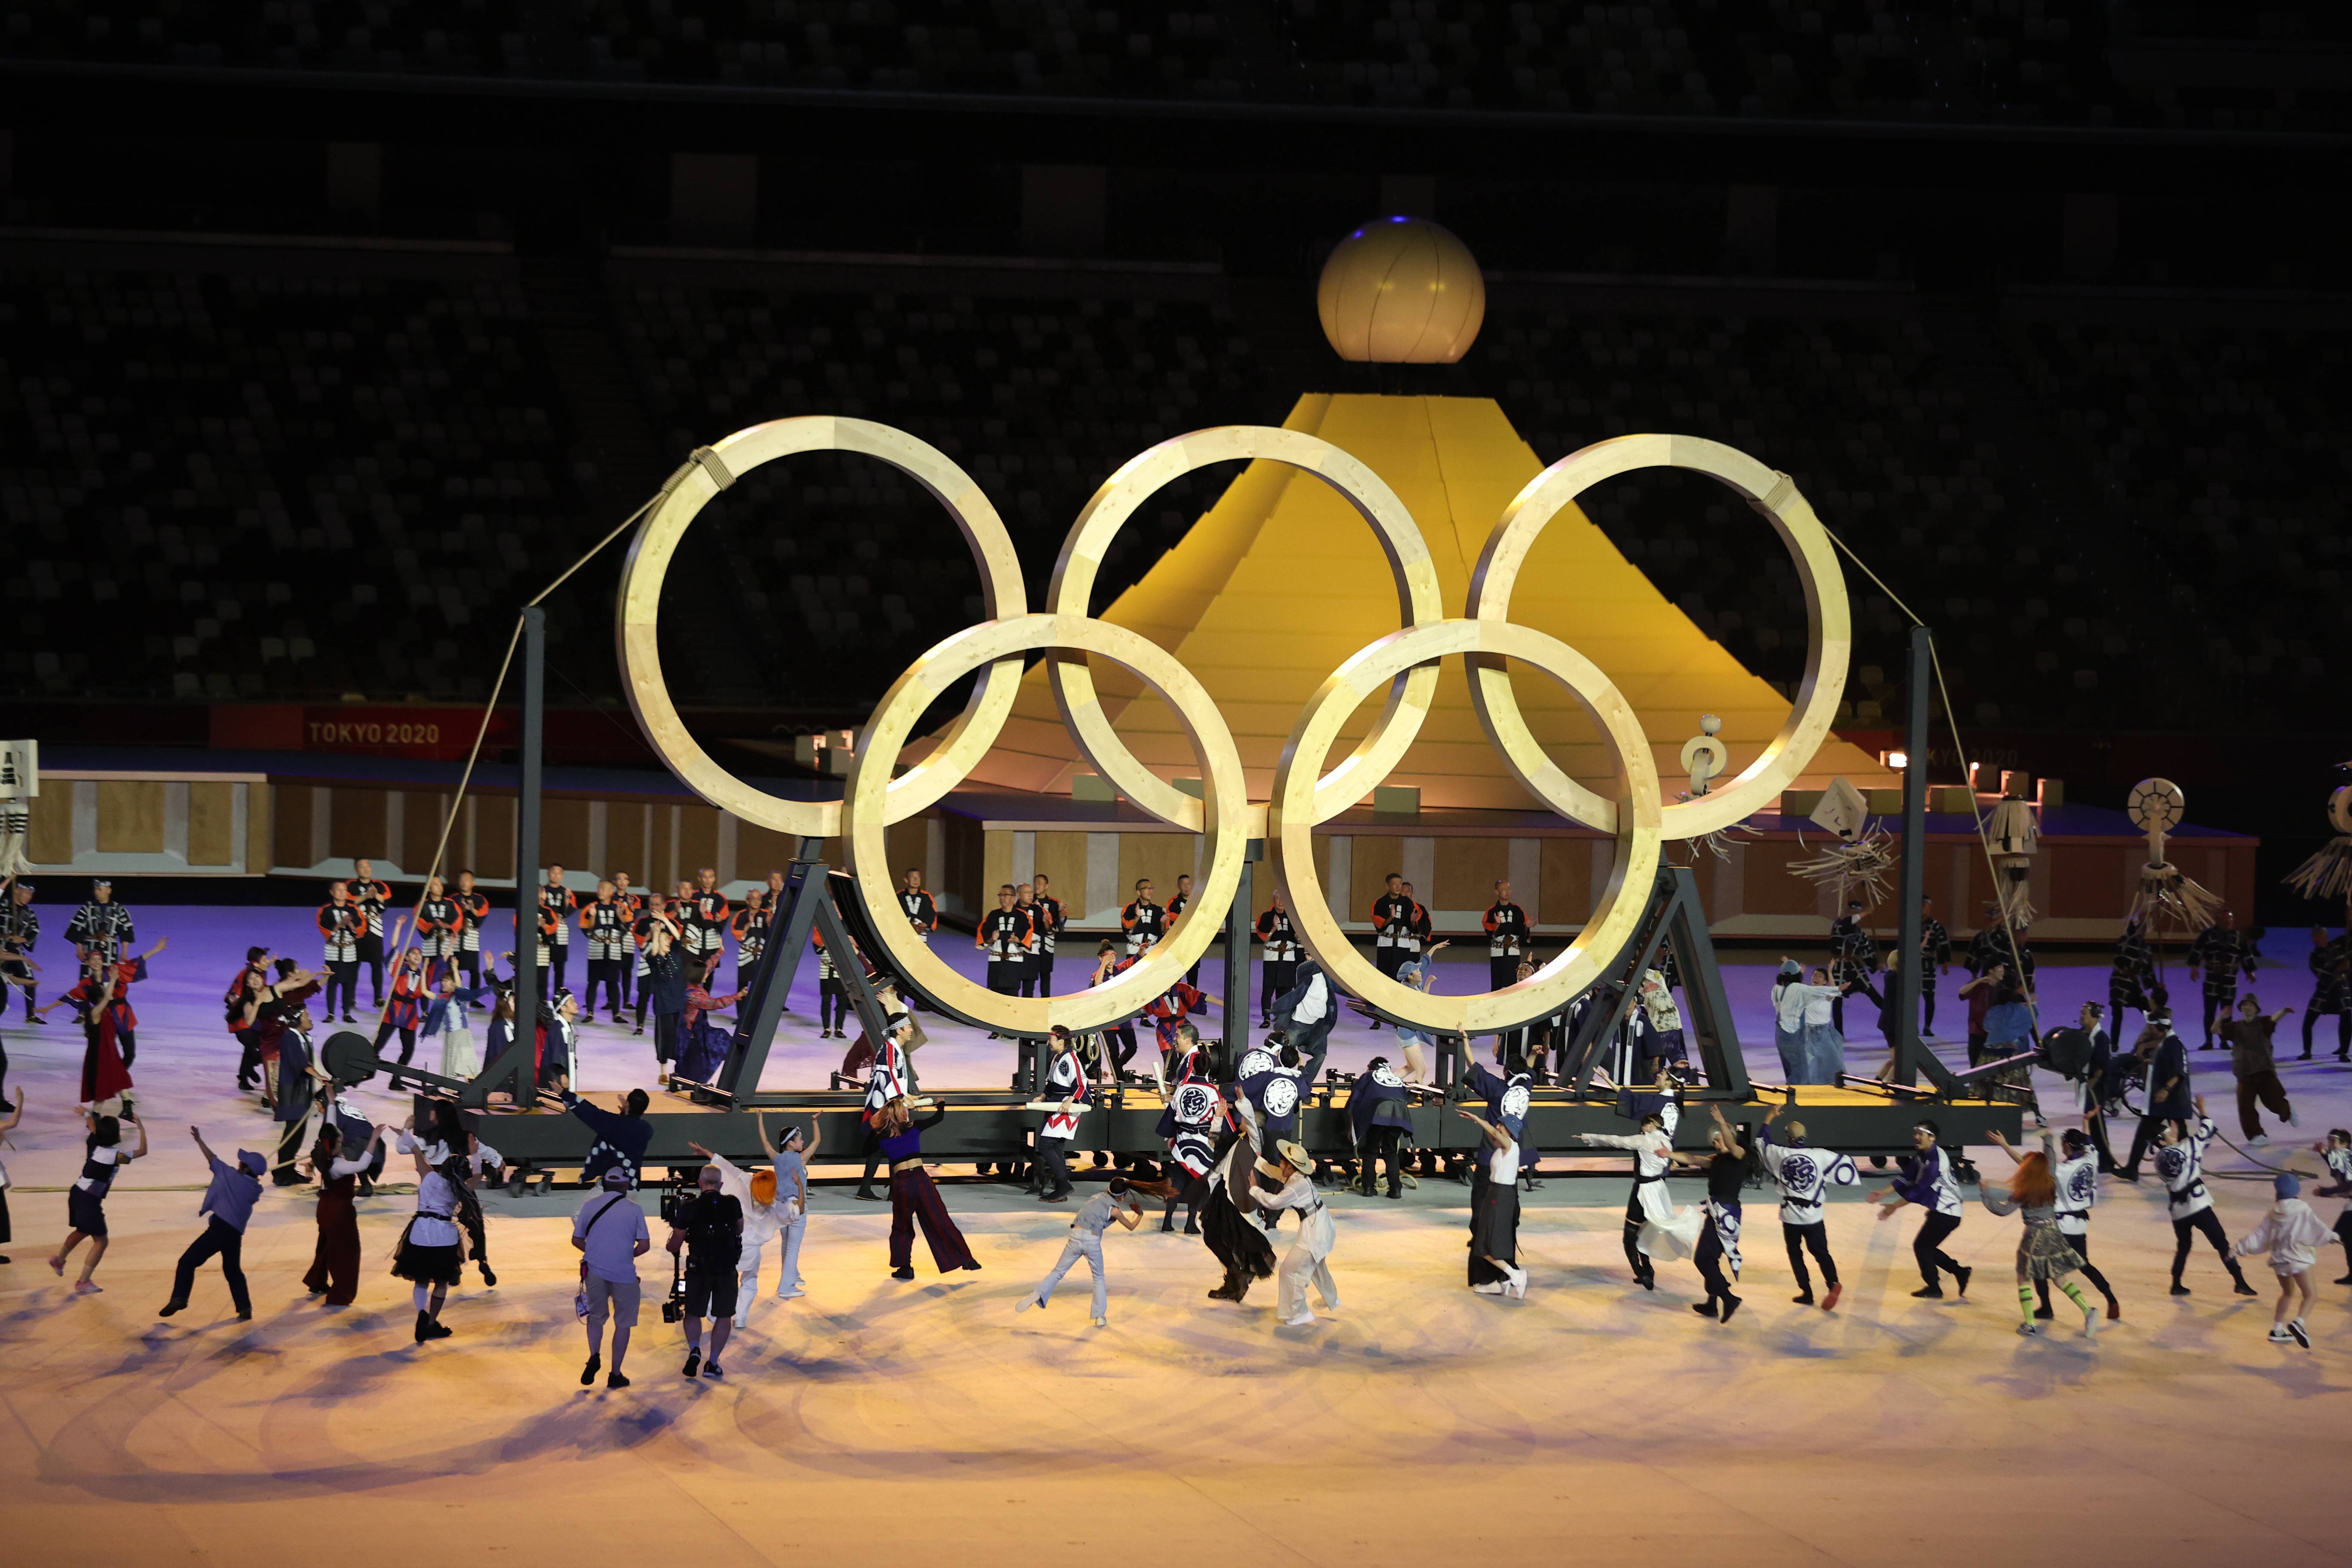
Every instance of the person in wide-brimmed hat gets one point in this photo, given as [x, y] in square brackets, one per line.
[1308, 1258]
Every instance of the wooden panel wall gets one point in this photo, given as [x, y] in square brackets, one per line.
[211, 822]
[1063, 858]
[494, 835]
[909, 845]
[1565, 897]
[51, 837]
[996, 866]
[1770, 890]
[356, 824]
[1163, 857]
[758, 850]
[1372, 857]
[563, 835]
[1467, 870]
[698, 838]
[625, 841]
[961, 876]
[129, 817]
[290, 837]
[257, 816]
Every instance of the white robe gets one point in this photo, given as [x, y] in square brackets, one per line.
[1666, 1231]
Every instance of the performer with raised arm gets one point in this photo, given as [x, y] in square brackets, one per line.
[334, 1270]
[1493, 1212]
[915, 1198]
[373, 898]
[1804, 1174]
[2180, 1164]
[226, 1209]
[1928, 1180]
[2042, 1253]
[890, 1077]
[2293, 1235]
[1509, 939]
[1279, 965]
[431, 1252]
[1195, 1114]
[769, 1207]
[1653, 1223]
[604, 920]
[559, 908]
[1731, 1165]
[408, 1002]
[102, 1159]
[2074, 1170]
[342, 923]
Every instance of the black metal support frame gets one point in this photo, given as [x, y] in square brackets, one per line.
[1675, 917]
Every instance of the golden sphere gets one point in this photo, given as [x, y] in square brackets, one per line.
[1401, 291]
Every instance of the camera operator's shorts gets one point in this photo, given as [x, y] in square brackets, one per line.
[616, 1299]
[711, 1294]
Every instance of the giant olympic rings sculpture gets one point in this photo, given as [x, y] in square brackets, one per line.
[1403, 664]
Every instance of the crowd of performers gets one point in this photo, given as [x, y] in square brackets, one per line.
[1235, 1161]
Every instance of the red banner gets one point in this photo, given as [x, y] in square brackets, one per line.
[402, 729]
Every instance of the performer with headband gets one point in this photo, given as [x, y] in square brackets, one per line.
[1732, 1166]
[2042, 1253]
[1653, 1223]
[915, 1198]
[430, 1254]
[1066, 1084]
[1928, 1180]
[2075, 1172]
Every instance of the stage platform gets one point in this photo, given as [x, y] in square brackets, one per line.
[1593, 1422]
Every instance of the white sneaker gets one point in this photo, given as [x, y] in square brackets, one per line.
[2293, 1117]
[1520, 1283]
[2278, 1336]
[1497, 1287]
[795, 1294]
[2029, 1329]
[1102, 1322]
[1304, 1320]
[2259, 1139]
[2090, 1322]
[1026, 1302]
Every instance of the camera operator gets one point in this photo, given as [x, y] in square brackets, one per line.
[709, 1227]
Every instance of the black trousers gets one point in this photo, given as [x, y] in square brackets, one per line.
[1501, 972]
[1024, 1065]
[665, 1037]
[605, 972]
[1813, 1238]
[2343, 1032]
[832, 1004]
[556, 956]
[2142, 1139]
[225, 1241]
[2080, 1243]
[1004, 979]
[645, 1000]
[2209, 1224]
[343, 973]
[1928, 1002]
[1275, 977]
[2216, 1001]
[1837, 1008]
[407, 1040]
[2122, 999]
[1380, 1144]
[1191, 1191]
[1639, 1261]
[1054, 1165]
[371, 948]
[470, 960]
[248, 1063]
[289, 1149]
[1927, 1247]
[1709, 1261]
[1121, 1036]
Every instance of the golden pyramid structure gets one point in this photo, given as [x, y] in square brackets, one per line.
[1281, 582]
